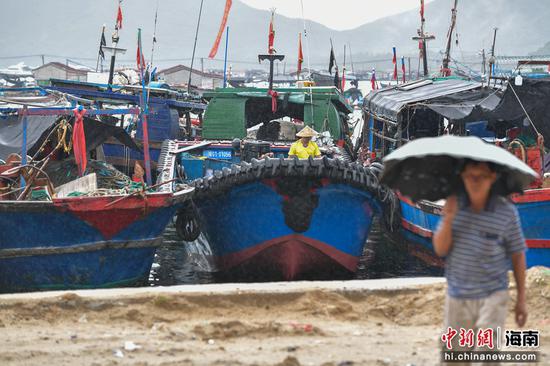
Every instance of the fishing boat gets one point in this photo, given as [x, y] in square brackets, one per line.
[77, 234]
[432, 107]
[166, 108]
[268, 217]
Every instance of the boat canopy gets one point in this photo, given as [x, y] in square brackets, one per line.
[450, 96]
[231, 111]
[419, 107]
[39, 127]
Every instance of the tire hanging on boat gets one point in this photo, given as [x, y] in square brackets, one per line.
[187, 225]
[301, 200]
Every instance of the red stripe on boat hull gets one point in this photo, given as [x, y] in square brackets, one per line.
[425, 233]
[290, 257]
[532, 196]
[418, 230]
[538, 243]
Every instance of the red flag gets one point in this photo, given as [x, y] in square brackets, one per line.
[79, 141]
[118, 24]
[274, 96]
[300, 55]
[140, 60]
[422, 9]
[394, 64]
[216, 45]
[373, 81]
[403, 69]
[271, 40]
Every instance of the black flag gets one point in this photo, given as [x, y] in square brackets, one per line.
[101, 44]
[337, 79]
[332, 62]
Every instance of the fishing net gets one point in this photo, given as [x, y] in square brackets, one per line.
[109, 179]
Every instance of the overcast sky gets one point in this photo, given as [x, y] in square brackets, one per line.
[339, 15]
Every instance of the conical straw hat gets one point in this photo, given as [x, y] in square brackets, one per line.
[307, 132]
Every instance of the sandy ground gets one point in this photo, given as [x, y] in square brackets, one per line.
[331, 324]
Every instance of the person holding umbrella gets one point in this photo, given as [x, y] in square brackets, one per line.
[479, 233]
[304, 147]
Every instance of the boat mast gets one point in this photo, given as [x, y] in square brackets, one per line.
[492, 58]
[422, 38]
[351, 60]
[115, 38]
[445, 71]
[194, 49]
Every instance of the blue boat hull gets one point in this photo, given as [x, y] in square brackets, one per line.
[420, 220]
[251, 231]
[80, 242]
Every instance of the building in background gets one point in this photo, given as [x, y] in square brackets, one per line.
[57, 70]
[178, 76]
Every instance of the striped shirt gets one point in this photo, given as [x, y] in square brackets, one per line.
[480, 257]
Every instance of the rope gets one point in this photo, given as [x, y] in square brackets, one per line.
[62, 127]
[521, 147]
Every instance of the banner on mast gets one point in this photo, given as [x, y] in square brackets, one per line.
[216, 45]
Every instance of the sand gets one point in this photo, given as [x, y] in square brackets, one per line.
[369, 322]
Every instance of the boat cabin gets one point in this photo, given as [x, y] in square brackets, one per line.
[232, 111]
[245, 123]
[512, 116]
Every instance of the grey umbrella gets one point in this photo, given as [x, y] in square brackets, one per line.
[429, 168]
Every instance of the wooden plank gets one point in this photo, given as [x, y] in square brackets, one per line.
[85, 184]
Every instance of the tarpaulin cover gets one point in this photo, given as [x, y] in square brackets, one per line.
[38, 128]
[471, 105]
[11, 132]
[387, 103]
[535, 97]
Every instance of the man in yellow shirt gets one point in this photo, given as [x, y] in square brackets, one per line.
[304, 147]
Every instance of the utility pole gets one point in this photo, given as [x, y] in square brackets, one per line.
[445, 71]
[42, 59]
[410, 71]
[423, 38]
